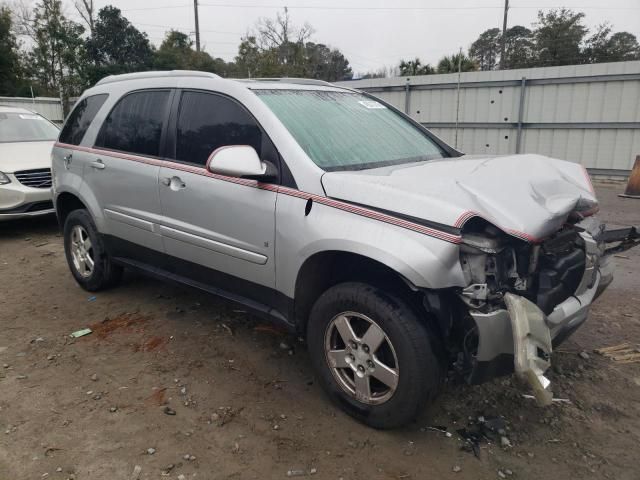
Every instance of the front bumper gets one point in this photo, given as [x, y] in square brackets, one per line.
[19, 201]
[520, 337]
[496, 350]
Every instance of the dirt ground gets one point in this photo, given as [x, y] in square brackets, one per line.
[245, 400]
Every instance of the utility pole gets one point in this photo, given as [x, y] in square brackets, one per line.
[455, 145]
[195, 8]
[504, 31]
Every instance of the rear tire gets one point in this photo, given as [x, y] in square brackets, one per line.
[404, 373]
[86, 255]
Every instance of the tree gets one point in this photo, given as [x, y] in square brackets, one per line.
[278, 32]
[280, 49]
[558, 37]
[623, 46]
[415, 67]
[116, 46]
[604, 47]
[449, 64]
[324, 63]
[57, 57]
[519, 47]
[176, 53]
[486, 49]
[86, 11]
[10, 68]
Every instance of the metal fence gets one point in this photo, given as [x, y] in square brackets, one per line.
[49, 107]
[584, 113]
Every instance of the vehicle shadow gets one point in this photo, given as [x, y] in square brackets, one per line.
[44, 225]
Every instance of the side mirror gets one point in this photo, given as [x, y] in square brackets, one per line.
[237, 161]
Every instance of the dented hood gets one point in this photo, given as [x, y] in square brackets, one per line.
[528, 196]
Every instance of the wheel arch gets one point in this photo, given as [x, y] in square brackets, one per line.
[67, 202]
[324, 269]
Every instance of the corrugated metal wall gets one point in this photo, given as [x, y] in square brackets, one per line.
[585, 113]
[49, 107]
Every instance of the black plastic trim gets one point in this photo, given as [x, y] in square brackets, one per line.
[263, 301]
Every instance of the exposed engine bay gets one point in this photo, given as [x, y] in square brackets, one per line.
[526, 297]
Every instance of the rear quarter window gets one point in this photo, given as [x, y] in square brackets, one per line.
[80, 119]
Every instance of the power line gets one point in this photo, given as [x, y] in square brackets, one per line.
[180, 27]
[390, 8]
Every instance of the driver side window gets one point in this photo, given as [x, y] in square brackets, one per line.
[207, 121]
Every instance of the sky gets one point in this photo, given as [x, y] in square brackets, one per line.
[370, 33]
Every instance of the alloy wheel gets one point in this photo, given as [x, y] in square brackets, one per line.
[361, 358]
[82, 251]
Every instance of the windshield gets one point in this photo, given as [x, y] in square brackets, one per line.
[25, 127]
[349, 131]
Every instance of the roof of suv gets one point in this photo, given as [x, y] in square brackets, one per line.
[251, 83]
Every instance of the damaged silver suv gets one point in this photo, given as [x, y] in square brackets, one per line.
[399, 259]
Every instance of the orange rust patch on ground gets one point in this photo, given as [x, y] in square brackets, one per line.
[150, 344]
[157, 397]
[125, 321]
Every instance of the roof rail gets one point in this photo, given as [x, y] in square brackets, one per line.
[300, 81]
[156, 74]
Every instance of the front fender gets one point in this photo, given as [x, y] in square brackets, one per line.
[425, 261]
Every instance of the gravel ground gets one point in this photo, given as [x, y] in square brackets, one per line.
[175, 383]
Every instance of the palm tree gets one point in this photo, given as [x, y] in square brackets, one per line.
[449, 64]
[415, 67]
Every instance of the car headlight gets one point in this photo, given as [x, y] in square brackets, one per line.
[4, 179]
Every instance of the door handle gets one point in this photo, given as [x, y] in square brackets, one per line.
[67, 160]
[98, 164]
[175, 183]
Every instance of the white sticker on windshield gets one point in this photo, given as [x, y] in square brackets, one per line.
[371, 104]
[30, 116]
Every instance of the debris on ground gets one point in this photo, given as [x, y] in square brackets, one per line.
[440, 429]
[169, 411]
[166, 471]
[623, 353]
[556, 400]
[151, 451]
[456, 468]
[81, 333]
[483, 429]
[584, 355]
[296, 473]
[137, 470]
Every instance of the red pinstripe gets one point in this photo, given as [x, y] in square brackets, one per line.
[274, 188]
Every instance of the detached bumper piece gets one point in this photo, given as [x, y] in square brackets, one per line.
[531, 345]
[624, 238]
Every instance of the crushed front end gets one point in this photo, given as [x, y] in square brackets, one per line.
[523, 298]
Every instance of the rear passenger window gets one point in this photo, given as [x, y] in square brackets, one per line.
[208, 121]
[80, 119]
[135, 123]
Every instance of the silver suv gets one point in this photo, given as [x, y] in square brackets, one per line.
[399, 259]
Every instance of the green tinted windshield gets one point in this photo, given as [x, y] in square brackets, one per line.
[349, 131]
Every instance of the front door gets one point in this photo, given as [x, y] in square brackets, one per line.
[224, 224]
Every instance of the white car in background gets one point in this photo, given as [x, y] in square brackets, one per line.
[26, 139]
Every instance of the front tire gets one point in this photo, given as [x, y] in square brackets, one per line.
[373, 354]
[86, 255]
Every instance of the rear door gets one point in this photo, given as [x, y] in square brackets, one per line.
[223, 223]
[68, 159]
[122, 172]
